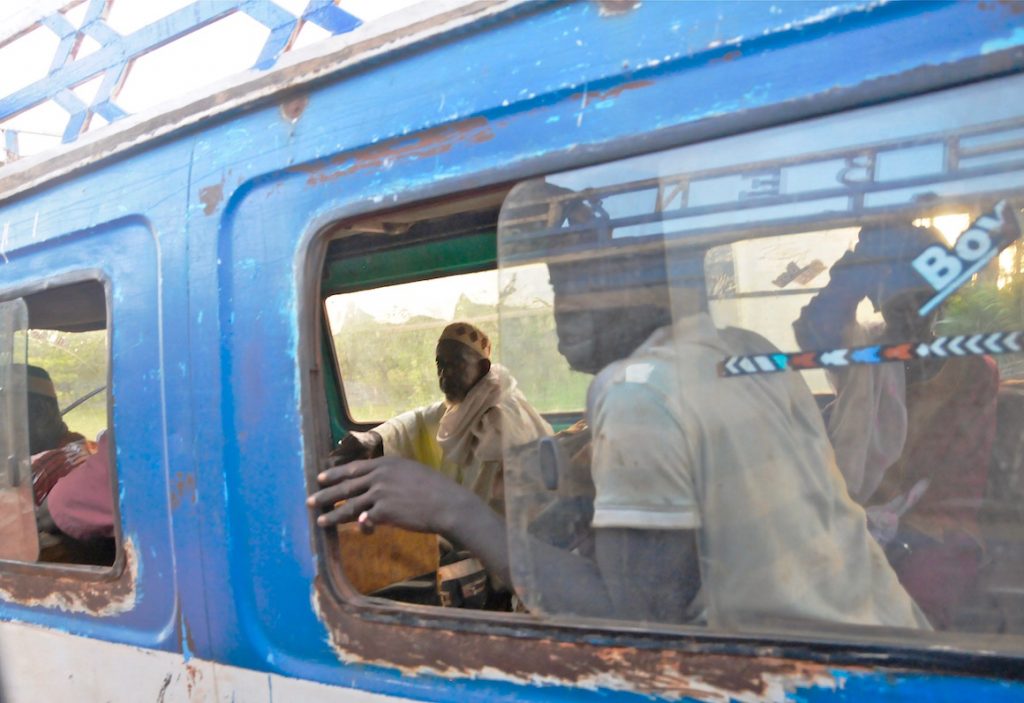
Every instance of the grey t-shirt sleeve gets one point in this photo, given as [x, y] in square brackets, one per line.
[642, 467]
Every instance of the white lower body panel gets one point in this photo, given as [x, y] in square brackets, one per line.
[37, 664]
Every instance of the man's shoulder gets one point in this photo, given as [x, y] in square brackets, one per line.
[627, 386]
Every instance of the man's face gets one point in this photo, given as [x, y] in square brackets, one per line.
[597, 327]
[577, 324]
[458, 369]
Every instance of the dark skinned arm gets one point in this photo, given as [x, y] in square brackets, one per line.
[637, 574]
[358, 445]
[855, 276]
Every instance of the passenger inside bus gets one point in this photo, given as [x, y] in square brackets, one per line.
[81, 504]
[70, 480]
[460, 435]
[55, 449]
[717, 500]
[914, 439]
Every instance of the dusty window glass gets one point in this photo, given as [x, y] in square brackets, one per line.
[61, 410]
[77, 365]
[384, 338]
[804, 406]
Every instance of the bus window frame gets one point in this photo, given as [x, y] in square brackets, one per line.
[340, 603]
[84, 573]
[839, 645]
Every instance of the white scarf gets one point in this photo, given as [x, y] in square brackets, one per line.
[470, 436]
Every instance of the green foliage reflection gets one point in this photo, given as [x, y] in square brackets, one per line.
[388, 367]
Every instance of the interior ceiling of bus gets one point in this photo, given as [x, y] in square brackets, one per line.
[78, 307]
[434, 219]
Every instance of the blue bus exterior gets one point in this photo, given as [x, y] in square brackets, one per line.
[203, 234]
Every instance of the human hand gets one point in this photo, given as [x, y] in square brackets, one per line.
[387, 490]
[357, 445]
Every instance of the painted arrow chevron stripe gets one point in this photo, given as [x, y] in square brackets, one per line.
[938, 348]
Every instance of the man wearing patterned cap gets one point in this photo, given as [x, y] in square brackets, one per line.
[461, 435]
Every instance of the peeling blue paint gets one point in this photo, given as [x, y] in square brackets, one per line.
[1014, 40]
[911, 687]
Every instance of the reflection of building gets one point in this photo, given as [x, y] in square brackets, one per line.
[761, 284]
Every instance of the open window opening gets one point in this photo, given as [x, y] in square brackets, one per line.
[56, 364]
[393, 286]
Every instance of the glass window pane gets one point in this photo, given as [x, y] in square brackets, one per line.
[64, 413]
[77, 365]
[18, 540]
[803, 403]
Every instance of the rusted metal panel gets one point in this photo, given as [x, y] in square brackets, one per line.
[83, 592]
[671, 674]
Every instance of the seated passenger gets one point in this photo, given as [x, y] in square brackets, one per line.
[54, 448]
[934, 419]
[867, 421]
[727, 486]
[462, 434]
[81, 504]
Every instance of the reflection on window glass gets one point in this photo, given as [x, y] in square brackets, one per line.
[761, 284]
[806, 395]
[421, 356]
[18, 537]
[800, 383]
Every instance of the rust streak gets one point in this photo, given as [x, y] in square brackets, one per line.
[184, 487]
[193, 677]
[667, 673]
[74, 593]
[614, 8]
[597, 96]
[292, 109]
[431, 142]
[211, 197]
[1015, 7]
[727, 57]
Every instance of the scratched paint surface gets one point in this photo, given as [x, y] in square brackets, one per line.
[213, 442]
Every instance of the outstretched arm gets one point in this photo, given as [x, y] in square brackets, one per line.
[637, 574]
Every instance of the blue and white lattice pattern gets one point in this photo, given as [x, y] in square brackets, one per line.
[91, 56]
